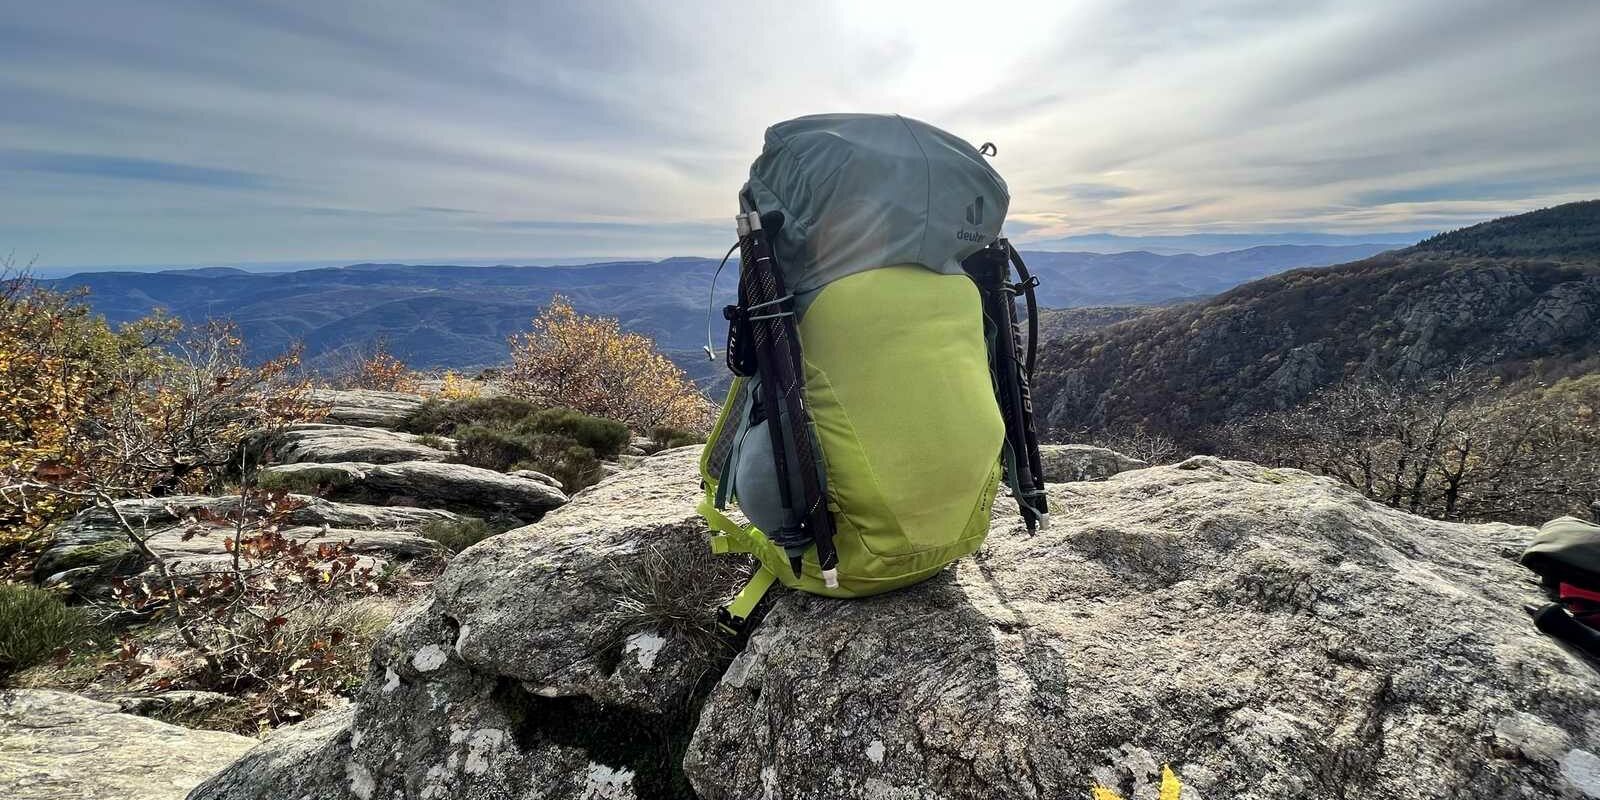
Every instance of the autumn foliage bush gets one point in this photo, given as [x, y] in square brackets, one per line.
[374, 367]
[89, 413]
[590, 364]
[59, 367]
[280, 621]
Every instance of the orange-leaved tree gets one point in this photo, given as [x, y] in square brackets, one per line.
[590, 364]
[374, 367]
[58, 369]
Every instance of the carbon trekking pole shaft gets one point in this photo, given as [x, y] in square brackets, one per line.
[1025, 383]
[778, 339]
[990, 268]
[770, 392]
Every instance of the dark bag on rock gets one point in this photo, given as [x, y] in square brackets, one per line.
[1566, 553]
[1567, 550]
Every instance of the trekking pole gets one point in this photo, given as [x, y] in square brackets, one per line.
[1025, 381]
[990, 268]
[769, 311]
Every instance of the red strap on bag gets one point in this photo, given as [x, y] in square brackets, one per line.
[1583, 604]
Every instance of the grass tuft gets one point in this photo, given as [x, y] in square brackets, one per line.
[35, 624]
[458, 535]
[676, 591]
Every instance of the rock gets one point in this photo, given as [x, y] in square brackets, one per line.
[458, 487]
[175, 702]
[367, 407]
[329, 443]
[1064, 463]
[55, 745]
[92, 539]
[495, 688]
[533, 475]
[1270, 634]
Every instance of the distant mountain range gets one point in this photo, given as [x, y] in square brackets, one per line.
[1207, 243]
[459, 316]
[1517, 294]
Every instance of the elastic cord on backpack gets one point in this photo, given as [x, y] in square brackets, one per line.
[711, 300]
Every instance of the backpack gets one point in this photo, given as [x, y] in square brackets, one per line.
[879, 397]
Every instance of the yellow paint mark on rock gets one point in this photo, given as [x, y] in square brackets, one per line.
[1171, 788]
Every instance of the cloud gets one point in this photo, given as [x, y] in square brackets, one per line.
[1089, 191]
[186, 131]
[135, 169]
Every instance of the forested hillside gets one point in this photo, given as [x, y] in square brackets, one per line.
[1515, 295]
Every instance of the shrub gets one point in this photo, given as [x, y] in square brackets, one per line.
[35, 624]
[443, 417]
[574, 465]
[666, 437]
[492, 447]
[590, 364]
[457, 535]
[151, 408]
[279, 624]
[452, 386]
[565, 444]
[605, 437]
[374, 367]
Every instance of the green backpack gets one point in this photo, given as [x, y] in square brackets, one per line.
[880, 396]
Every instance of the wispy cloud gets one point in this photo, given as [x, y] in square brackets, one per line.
[190, 130]
[135, 169]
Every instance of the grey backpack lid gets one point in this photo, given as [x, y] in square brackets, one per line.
[860, 191]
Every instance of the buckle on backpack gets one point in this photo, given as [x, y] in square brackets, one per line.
[730, 625]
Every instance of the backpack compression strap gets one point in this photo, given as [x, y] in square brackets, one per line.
[733, 617]
[731, 537]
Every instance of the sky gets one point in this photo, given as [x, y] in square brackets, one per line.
[219, 131]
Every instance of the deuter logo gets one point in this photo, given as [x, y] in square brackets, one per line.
[974, 217]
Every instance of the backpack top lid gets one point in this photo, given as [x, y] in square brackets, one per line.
[860, 191]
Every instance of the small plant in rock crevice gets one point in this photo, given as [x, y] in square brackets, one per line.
[36, 626]
[675, 590]
[458, 535]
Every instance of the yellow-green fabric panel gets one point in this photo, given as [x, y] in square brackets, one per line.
[898, 385]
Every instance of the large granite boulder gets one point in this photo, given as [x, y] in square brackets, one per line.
[1064, 463]
[92, 539]
[367, 407]
[1269, 634]
[55, 745]
[458, 487]
[520, 678]
[316, 442]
